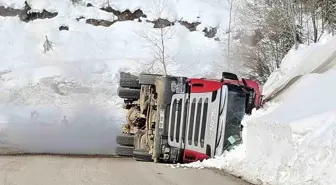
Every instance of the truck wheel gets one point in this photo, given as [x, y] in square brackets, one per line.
[125, 151]
[142, 155]
[127, 93]
[129, 81]
[147, 79]
[127, 75]
[127, 140]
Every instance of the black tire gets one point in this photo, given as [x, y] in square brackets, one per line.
[126, 140]
[147, 79]
[127, 93]
[129, 81]
[124, 151]
[142, 155]
[126, 75]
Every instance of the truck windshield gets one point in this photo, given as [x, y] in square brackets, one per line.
[235, 113]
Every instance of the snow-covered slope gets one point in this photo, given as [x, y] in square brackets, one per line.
[77, 78]
[292, 141]
[316, 58]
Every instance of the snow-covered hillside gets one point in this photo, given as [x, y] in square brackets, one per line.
[76, 80]
[292, 140]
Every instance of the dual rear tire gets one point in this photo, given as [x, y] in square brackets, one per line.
[125, 148]
[125, 145]
[130, 85]
[129, 90]
[127, 80]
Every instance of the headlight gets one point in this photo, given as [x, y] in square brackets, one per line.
[173, 86]
[180, 87]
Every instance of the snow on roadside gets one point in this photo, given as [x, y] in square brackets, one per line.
[291, 141]
[302, 62]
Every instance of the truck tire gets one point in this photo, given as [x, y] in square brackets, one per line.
[128, 80]
[126, 140]
[129, 83]
[127, 93]
[142, 155]
[126, 75]
[147, 79]
[124, 151]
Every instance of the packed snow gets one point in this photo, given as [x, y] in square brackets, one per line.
[64, 100]
[292, 140]
[316, 58]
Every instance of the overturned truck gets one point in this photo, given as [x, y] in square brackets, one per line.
[178, 119]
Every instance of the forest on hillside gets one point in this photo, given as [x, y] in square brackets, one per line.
[261, 32]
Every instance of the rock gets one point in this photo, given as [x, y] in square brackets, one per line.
[79, 18]
[190, 26]
[63, 28]
[89, 5]
[210, 32]
[100, 22]
[162, 23]
[9, 12]
[126, 15]
[27, 16]
[111, 10]
[138, 13]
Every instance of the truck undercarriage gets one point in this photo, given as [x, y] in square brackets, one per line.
[178, 119]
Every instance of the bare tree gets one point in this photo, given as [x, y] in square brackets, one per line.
[328, 8]
[157, 39]
[47, 45]
[287, 7]
[229, 31]
[266, 37]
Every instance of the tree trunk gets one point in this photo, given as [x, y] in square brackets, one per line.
[291, 21]
[229, 36]
[163, 54]
[314, 26]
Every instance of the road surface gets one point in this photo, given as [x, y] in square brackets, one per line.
[62, 170]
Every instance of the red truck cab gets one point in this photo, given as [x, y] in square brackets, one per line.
[205, 119]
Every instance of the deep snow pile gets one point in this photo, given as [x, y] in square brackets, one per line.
[316, 58]
[77, 80]
[292, 141]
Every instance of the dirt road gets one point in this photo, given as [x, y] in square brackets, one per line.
[58, 170]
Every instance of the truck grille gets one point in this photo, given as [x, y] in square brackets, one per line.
[187, 121]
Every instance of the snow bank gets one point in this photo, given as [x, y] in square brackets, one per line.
[291, 141]
[316, 58]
